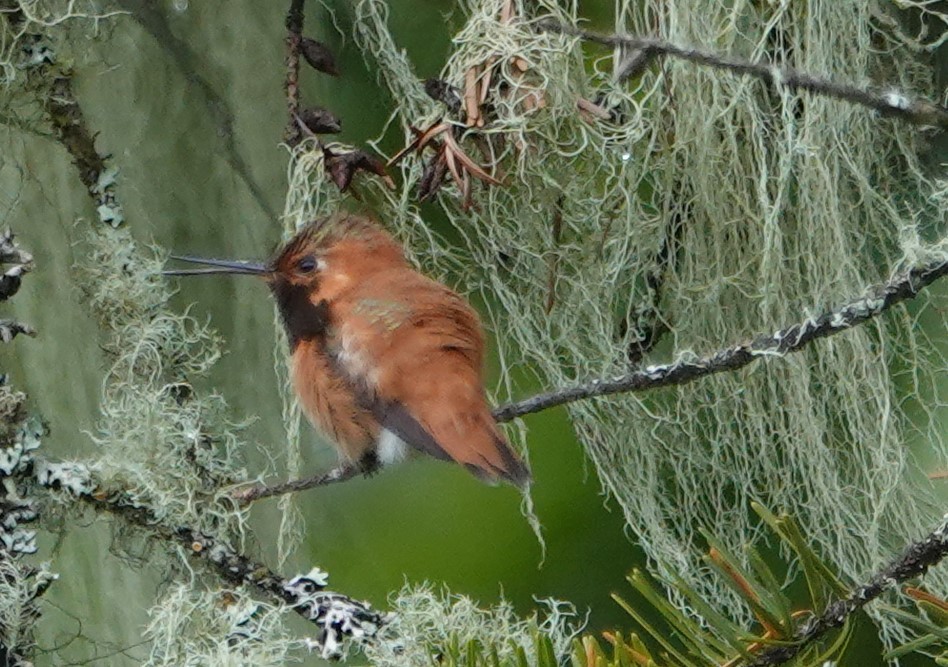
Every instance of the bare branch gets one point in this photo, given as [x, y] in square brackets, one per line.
[340, 473]
[913, 562]
[905, 285]
[917, 111]
[294, 38]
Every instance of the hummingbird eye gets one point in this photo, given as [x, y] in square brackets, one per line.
[306, 264]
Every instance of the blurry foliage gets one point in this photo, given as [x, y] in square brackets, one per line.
[708, 638]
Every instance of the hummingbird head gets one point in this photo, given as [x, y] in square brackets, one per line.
[313, 269]
[342, 244]
[298, 263]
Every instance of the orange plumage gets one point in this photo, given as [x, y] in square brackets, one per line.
[381, 354]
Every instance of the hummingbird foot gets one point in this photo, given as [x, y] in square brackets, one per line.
[369, 464]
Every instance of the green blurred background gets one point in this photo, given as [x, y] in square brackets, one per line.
[188, 101]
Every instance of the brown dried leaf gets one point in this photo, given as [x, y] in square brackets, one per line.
[507, 11]
[342, 167]
[467, 162]
[422, 138]
[471, 107]
[520, 63]
[591, 111]
[466, 199]
[485, 83]
[319, 56]
[320, 121]
[452, 163]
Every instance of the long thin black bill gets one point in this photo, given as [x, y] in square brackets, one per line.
[219, 266]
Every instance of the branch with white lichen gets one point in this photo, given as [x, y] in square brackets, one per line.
[21, 263]
[878, 299]
[10, 329]
[914, 562]
[338, 617]
[646, 49]
[21, 583]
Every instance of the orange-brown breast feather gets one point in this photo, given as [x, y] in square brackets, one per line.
[330, 403]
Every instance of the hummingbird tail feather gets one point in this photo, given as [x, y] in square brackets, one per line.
[514, 469]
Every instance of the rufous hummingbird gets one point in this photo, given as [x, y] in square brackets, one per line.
[381, 355]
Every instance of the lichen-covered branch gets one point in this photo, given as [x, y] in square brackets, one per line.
[21, 583]
[337, 616]
[22, 263]
[10, 329]
[10, 281]
[914, 562]
[905, 285]
[55, 95]
[917, 111]
[74, 134]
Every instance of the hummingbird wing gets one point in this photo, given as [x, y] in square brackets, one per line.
[414, 351]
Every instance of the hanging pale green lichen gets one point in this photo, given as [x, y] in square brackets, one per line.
[161, 445]
[716, 209]
[190, 626]
[427, 623]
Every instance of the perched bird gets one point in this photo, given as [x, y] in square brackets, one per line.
[382, 356]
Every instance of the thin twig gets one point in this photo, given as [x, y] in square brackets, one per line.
[634, 64]
[917, 111]
[913, 562]
[294, 37]
[340, 473]
[906, 285]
